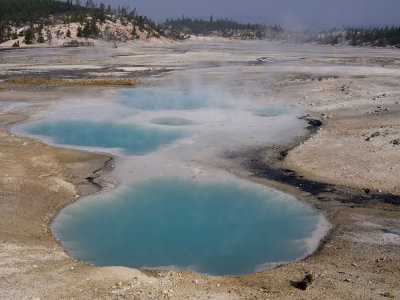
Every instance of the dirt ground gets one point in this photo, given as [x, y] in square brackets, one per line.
[355, 99]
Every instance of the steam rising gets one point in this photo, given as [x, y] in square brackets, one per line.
[217, 100]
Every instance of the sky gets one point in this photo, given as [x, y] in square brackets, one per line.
[292, 14]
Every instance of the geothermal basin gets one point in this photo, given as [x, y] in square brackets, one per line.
[175, 205]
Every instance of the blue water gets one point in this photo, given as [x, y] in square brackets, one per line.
[170, 121]
[133, 139]
[209, 227]
[157, 100]
[271, 111]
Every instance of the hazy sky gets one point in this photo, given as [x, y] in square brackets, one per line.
[294, 14]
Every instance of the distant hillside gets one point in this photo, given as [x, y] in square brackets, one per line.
[372, 37]
[220, 27]
[27, 22]
[24, 23]
[183, 28]
[380, 37]
[23, 11]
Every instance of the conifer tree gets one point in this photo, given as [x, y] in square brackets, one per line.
[29, 36]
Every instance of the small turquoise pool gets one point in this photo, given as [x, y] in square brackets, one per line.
[132, 139]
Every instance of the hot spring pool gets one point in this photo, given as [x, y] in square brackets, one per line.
[175, 207]
[132, 139]
[218, 228]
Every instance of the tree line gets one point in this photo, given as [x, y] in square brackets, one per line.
[375, 37]
[28, 18]
[381, 37]
[223, 27]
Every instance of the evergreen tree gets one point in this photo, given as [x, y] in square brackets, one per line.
[49, 35]
[86, 29]
[40, 38]
[94, 30]
[79, 32]
[29, 36]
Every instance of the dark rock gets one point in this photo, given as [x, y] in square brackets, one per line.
[265, 163]
[306, 282]
[395, 142]
[375, 134]
[313, 124]
[388, 295]
[283, 154]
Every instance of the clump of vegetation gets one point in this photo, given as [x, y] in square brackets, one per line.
[79, 32]
[29, 36]
[90, 29]
[49, 35]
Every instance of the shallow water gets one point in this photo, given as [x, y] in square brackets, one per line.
[170, 121]
[271, 111]
[213, 227]
[133, 139]
[145, 99]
